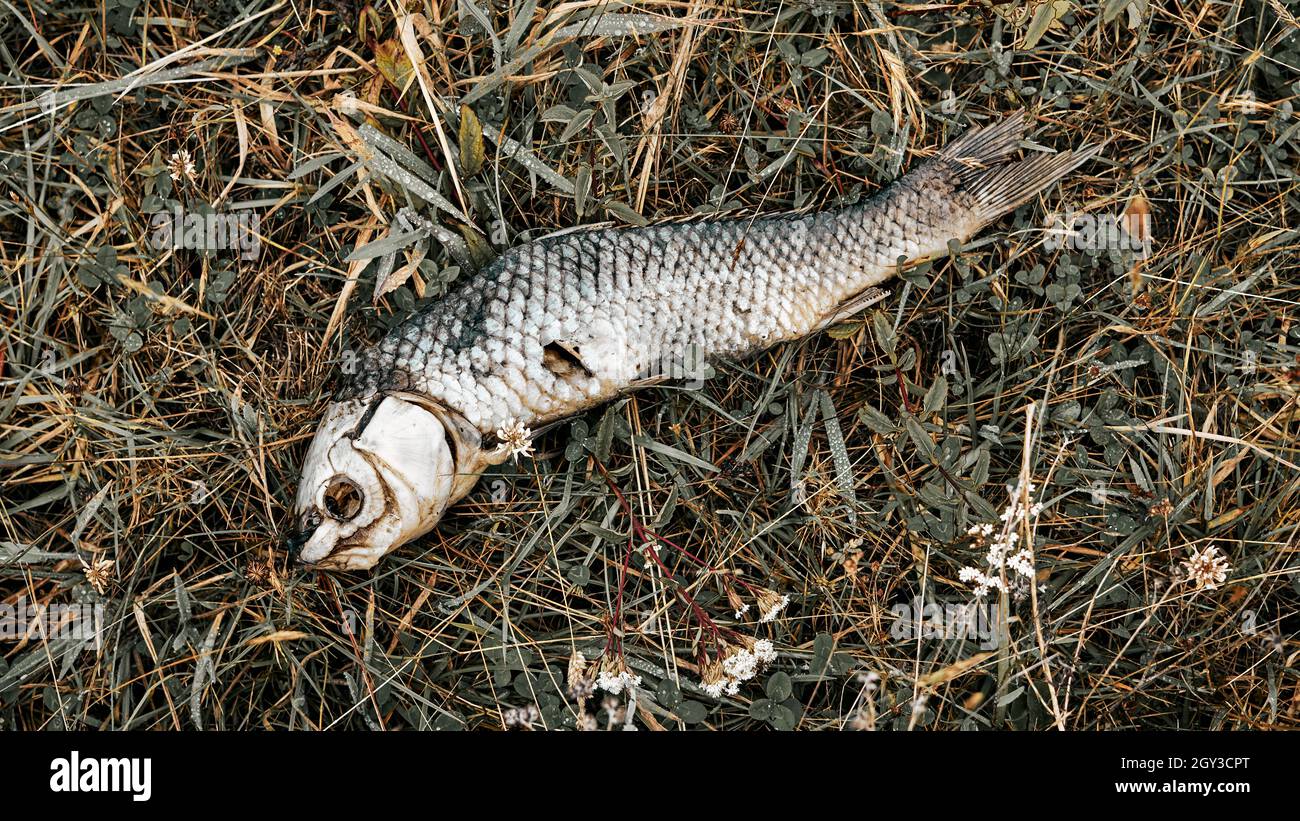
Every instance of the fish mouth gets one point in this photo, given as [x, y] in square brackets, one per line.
[294, 540]
[336, 559]
[296, 537]
[340, 559]
[344, 555]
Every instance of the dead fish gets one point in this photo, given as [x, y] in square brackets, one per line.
[568, 321]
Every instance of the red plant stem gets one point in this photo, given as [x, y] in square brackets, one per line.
[644, 534]
[902, 390]
[700, 615]
[618, 606]
[406, 109]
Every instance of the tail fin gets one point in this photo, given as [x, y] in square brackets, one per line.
[979, 160]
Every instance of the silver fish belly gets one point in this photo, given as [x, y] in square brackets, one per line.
[569, 321]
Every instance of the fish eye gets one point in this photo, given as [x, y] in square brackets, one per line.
[343, 498]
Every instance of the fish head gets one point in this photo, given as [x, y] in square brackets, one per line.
[379, 473]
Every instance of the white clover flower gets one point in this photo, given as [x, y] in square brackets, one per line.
[764, 651]
[741, 665]
[1207, 569]
[516, 440]
[99, 574]
[715, 689]
[738, 604]
[616, 683]
[181, 165]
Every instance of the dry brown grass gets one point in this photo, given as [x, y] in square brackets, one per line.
[154, 405]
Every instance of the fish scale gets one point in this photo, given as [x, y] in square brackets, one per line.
[568, 321]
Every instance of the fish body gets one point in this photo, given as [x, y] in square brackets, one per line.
[568, 321]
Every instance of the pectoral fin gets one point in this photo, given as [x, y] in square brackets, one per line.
[852, 306]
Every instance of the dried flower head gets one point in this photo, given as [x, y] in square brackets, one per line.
[1162, 508]
[259, 572]
[739, 605]
[516, 440]
[615, 712]
[580, 684]
[740, 664]
[522, 717]
[99, 574]
[770, 604]
[713, 679]
[1207, 569]
[862, 722]
[735, 663]
[851, 562]
[614, 677]
[181, 164]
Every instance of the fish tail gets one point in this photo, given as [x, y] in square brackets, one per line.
[969, 184]
[993, 185]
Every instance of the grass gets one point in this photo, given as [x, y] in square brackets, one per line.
[155, 403]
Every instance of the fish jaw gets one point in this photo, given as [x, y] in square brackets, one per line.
[379, 473]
